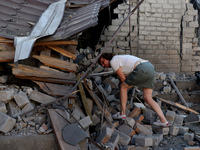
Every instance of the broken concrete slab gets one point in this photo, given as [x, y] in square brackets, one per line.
[21, 99]
[6, 123]
[126, 130]
[3, 107]
[41, 97]
[144, 140]
[105, 135]
[124, 139]
[13, 109]
[6, 95]
[85, 122]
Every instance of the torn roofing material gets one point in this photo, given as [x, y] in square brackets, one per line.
[47, 25]
[77, 20]
[18, 17]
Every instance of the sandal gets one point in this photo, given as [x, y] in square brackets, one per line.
[159, 123]
[118, 116]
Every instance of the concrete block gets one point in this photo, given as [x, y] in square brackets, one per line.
[188, 136]
[77, 112]
[183, 129]
[110, 81]
[105, 135]
[134, 113]
[95, 119]
[126, 130]
[170, 116]
[85, 122]
[144, 140]
[150, 115]
[174, 130]
[97, 79]
[6, 123]
[112, 142]
[21, 99]
[3, 107]
[13, 109]
[144, 130]
[28, 107]
[172, 75]
[139, 105]
[157, 138]
[41, 97]
[98, 69]
[138, 118]
[111, 98]
[3, 79]
[158, 75]
[108, 89]
[40, 119]
[178, 120]
[167, 89]
[163, 76]
[130, 121]
[164, 131]
[6, 95]
[124, 139]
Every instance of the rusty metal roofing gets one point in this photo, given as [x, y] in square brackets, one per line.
[18, 17]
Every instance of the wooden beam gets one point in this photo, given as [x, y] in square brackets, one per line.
[84, 99]
[5, 40]
[63, 52]
[58, 123]
[56, 63]
[56, 43]
[7, 56]
[178, 92]
[34, 73]
[177, 105]
[95, 98]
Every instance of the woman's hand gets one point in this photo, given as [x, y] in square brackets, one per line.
[120, 74]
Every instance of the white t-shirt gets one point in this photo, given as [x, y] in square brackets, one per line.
[126, 62]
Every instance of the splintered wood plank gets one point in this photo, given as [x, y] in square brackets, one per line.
[7, 56]
[55, 89]
[56, 43]
[34, 73]
[56, 63]
[83, 97]
[5, 40]
[63, 52]
[58, 123]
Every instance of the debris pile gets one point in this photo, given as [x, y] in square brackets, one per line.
[92, 110]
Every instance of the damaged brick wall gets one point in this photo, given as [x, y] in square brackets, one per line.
[162, 31]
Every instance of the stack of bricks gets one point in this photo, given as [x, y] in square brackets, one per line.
[190, 50]
[162, 32]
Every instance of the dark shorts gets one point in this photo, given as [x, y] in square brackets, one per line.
[142, 76]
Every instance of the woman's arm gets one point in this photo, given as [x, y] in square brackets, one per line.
[120, 74]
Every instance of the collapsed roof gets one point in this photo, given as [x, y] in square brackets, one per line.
[18, 17]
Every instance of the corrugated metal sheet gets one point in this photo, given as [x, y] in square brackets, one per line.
[18, 16]
[47, 25]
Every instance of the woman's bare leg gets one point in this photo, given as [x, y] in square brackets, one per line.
[147, 94]
[123, 97]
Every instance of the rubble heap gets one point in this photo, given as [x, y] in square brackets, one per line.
[93, 115]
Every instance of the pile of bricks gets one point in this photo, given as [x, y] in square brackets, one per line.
[135, 132]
